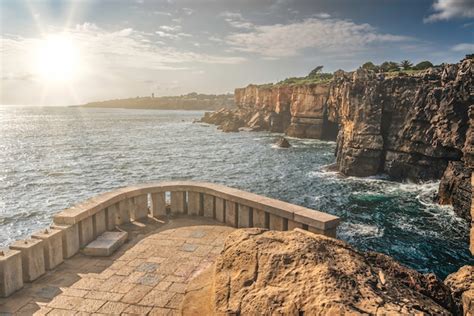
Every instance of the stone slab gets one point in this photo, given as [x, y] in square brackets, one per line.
[106, 244]
[52, 246]
[11, 276]
[32, 258]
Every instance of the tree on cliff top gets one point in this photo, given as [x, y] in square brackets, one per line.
[389, 66]
[406, 64]
[316, 71]
[370, 66]
[423, 65]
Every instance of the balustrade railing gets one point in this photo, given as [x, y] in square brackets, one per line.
[75, 227]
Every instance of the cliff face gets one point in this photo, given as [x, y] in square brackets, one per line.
[415, 128]
[308, 111]
[407, 127]
[411, 127]
[300, 111]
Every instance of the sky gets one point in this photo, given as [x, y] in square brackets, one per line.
[71, 52]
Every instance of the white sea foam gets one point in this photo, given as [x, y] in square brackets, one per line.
[351, 230]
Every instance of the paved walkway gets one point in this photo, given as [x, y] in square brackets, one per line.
[147, 276]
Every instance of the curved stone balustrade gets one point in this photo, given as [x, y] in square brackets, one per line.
[77, 226]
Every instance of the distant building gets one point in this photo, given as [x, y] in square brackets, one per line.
[152, 95]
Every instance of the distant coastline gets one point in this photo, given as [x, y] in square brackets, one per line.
[190, 101]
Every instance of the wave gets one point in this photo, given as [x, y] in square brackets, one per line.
[351, 230]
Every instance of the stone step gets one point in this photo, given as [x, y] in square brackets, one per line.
[105, 244]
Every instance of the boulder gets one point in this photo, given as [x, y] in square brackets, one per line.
[296, 272]
[459, 282]
[283, 143]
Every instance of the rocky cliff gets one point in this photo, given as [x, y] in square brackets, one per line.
[409, 127]
[414, 127]
[301, 273]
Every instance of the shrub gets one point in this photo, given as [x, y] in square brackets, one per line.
[423, 65]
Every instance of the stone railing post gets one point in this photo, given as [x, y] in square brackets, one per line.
[158, 204]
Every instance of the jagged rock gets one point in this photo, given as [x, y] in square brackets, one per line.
[407, 126]
[231, 126]
[460, 282]
[455, 188]
[283, 143]
[297, 272]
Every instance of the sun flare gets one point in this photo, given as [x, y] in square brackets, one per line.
[58, 59]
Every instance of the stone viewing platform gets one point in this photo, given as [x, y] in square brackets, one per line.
[175, 231]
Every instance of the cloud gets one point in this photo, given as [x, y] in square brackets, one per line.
[464, 47]
[171, 32]
[107, 52]
[322, 15]
[173, 36]
[162, 13]
[450, 9]
[236, 20]
[326, 35]
[170, 28]
[188, 11]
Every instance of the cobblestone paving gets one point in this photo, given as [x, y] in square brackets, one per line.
[147, 276]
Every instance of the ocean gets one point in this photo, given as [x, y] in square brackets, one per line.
[54, 157]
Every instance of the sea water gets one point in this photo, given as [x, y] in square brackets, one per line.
[54, 157]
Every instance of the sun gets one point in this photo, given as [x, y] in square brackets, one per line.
[57, 58]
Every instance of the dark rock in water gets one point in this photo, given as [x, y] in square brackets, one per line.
[297, 272]
[461, 284]
[283, 143]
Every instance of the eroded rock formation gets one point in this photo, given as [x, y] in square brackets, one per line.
[297, 272]
[461, 284]
[412, 127]
[409, 127]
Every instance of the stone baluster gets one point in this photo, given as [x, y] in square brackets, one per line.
[158, 204]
